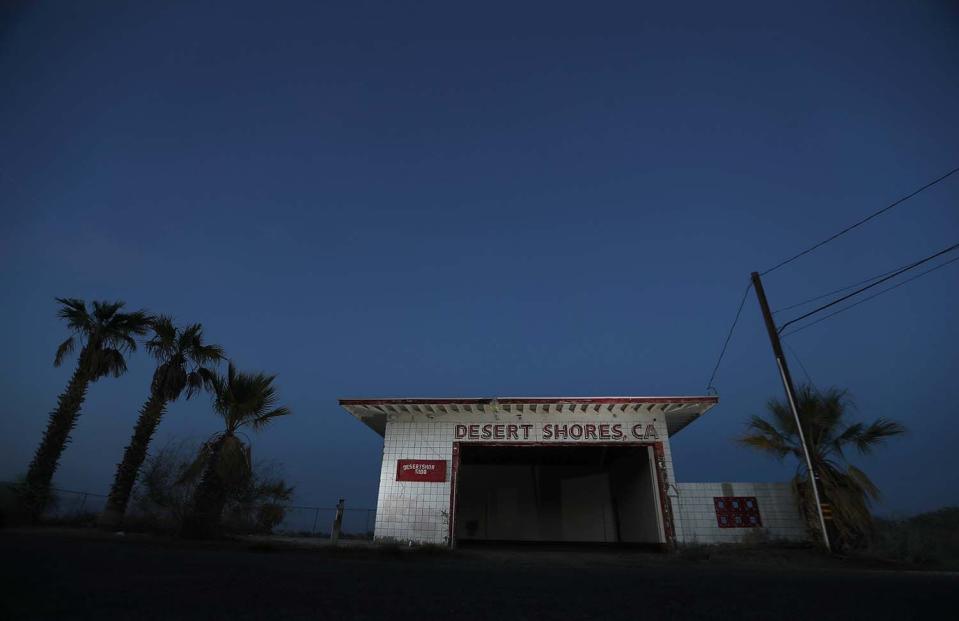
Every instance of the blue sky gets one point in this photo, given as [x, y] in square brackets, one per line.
[435, 200]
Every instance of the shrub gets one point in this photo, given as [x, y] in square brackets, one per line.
[164, 492]
[928, 538]
[13, 511]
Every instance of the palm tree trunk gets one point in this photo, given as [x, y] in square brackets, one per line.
[209, 499]
[133, 457]
[36, 492]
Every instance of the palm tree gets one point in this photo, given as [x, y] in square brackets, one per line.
[844, 486]
[181, 355]
[105, 335]
[241, 400]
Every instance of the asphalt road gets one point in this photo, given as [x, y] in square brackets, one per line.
[50, 576]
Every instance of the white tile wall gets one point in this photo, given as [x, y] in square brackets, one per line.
[695, 515]
[417, 511]
[408, 510]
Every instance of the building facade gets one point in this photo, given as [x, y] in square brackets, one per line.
[564, 469]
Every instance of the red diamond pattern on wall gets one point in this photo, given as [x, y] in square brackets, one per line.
[737, 512]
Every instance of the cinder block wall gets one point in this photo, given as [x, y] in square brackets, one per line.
[695, 513]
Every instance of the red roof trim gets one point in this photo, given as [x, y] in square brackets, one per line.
[518, 400]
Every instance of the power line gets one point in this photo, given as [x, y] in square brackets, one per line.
[861, 289]
[861, 222]
[875, 295]
[803, 367]
[835, 291]
[729, 335]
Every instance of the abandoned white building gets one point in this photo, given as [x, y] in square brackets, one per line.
[563, 469]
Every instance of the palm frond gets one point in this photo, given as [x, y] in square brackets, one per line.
[198, 351]
[207, 354]
[219, 386]
[104, 311]
[848, 435]
[763, 435]
[162, 344]
[105, 362]
[876, 433]
[170, 379]
[246, 399]
[762, 426]
[831, 406]
[229, 383]
[125, 342]
[137, 323]
[65, 349]
[764, 443]
[190, 336]
[863, 482]
[851, 513]
[199, 379]
[782, 415]
[74, 311]
[263, 420]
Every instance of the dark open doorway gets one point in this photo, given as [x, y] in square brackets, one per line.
[557, 493]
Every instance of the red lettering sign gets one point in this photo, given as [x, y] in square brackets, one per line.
[557, 431]
[421, 470]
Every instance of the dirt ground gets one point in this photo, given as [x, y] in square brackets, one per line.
[69, 575]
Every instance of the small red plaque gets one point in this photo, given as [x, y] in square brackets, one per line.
[421, 470]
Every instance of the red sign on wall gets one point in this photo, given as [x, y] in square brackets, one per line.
[737, 512]
[421, 470]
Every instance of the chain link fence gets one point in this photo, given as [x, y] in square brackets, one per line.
[65, 505]
[301, 521]
[72, 506]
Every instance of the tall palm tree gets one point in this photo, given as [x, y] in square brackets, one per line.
[829, 436]
[104, 336]
[182, 359]
[241, 400]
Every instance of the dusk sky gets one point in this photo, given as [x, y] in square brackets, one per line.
[399, 199]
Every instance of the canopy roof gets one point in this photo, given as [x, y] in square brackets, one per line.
[678, 411]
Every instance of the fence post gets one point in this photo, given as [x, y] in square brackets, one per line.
[83, 503]
[337, 522]
[316, 516]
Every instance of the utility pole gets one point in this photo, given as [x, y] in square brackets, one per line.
[791, 397]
